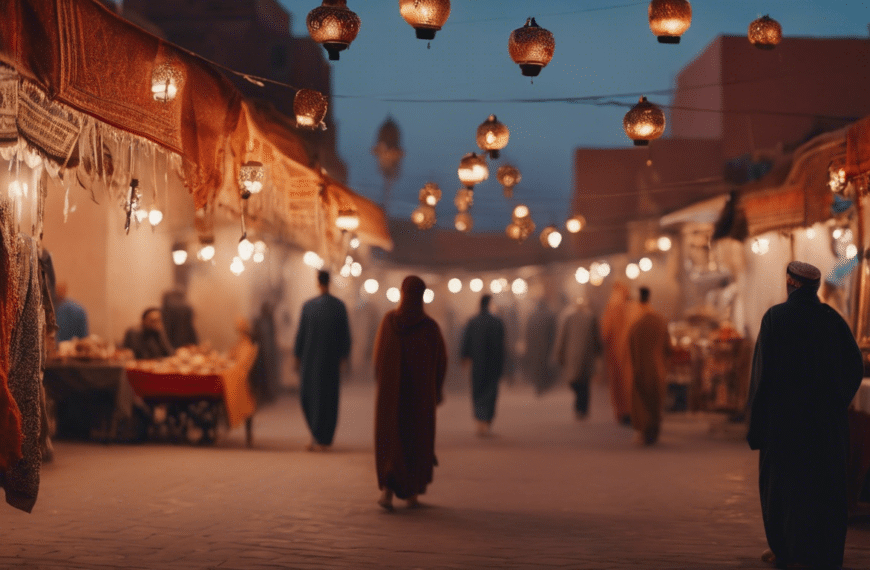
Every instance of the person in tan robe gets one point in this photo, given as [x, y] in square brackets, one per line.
[616, 319]
[650, 347]
[410, 364]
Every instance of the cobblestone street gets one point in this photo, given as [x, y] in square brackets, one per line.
[547, 491]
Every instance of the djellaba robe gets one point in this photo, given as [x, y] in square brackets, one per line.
[410, 360]
[649, 344]
[578, 342]
[540, 335]
[616, 320]
[806, 370]
[483, 343]
[322, 342]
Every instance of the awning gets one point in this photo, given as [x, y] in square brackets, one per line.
[82, 58]
[704, 212]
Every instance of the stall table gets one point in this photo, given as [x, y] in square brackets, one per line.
[91, 397]
[859, 454]
[197, 403]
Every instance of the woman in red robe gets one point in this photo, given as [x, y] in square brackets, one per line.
[410, 363]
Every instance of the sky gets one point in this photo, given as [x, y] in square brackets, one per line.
[603, 47]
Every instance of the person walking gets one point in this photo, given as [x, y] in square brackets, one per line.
[483, 349]
[649, 345]
[540, 334]
[616, 320]
[321, 350]
[806, 369]
[578, 343]
[410, 361]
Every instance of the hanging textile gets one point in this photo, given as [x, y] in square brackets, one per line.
[10, 416]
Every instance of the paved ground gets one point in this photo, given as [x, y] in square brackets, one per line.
[546, 492]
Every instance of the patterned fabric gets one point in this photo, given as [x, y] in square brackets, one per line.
[21, 481]
[10, 416]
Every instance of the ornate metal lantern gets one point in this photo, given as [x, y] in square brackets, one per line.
[644, 122]
[669, 19]
[531, 47]
[765, 33]
[424, 217]
[333, 25]
[508, 176]
[522, 225]
[472, 170]
[310, 107]
[464, 199]
[492, 136]
[575, 224]
[430, 194]
[166, 80]
[425, 16]
[463, 222]
[347, 220]
[251, 176]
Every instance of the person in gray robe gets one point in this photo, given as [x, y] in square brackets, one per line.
[577, 344]
[483, 347]
[321, 350]
[540, 335]
[806, 369]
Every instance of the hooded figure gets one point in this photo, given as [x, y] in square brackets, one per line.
[410, 363]
[805, 372]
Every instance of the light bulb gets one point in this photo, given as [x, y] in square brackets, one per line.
[371, 286]
[454, 285]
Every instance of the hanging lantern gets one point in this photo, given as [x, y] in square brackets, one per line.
[347, 220]
[669, 19]
[765, 33]
[546, 233]
[251, 176]
[531, 47]
[166, 79]
[644, 122]
[472, 170]
[513, 231]
[155, 216]
[575, 224]
[425, 16]
[522, 225]
[424, 217]
[333, 25]
[464, 199]
[492, 136]
[521, 211]
[310, 107]
[508, 176]
[430, 194]
[463, 222]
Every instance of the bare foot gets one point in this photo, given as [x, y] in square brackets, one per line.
[386, 500]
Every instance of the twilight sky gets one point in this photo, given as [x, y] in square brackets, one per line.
[603, 47]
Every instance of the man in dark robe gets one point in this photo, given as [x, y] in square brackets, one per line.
[322, 348]
[410, 364]
[483, 345]
[148, 341]
[178, 319]
[805, 371]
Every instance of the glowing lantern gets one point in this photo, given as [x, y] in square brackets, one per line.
[393, 295]
[371, 286]
[582, 275]
[496, 287]
[424, 217]
[664, 243]
[508, 176]
[645, 264]
[425, 16]
[472, 170]
[251, 176]
[531, 47]
[347, 220]
[311, 259]
[165, 82]
[669, 19]
[155, 216]
[454, 285]
[765, 33]
[310, 107]
[521, 211]
[492, 136]
[463, 222]
[554, 238]
[519, 287]
[428, 296]
[545, 235]
[237, 266]
[522, 225]
[206, 252]
[644, 122]
[464, 199]
[476, 285]
[246, 249]
[179, 254]
[430, 194]
[575, 224]
[632, 271]
[333, 25]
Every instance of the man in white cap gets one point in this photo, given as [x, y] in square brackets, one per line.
[805, 371]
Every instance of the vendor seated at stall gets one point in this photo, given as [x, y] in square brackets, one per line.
[149, 340]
